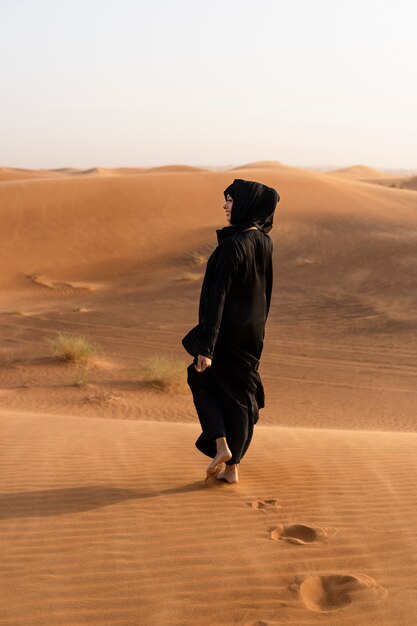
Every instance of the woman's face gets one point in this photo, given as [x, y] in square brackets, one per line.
[228, 207]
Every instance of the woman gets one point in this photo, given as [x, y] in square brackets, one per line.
[228, 340]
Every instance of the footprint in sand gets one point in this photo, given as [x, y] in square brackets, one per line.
[265, 505]
[301, 533]
[325, 593]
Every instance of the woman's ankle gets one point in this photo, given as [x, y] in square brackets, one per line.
[221, 444]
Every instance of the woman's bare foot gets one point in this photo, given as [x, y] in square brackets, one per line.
[230, 474]
[223, 454]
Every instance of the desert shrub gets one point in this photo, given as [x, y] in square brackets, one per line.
[74, 348]
[189, 276]
[81, 375]
[162, 372]
[199, 259]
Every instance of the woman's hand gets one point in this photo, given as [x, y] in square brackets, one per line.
[202, 363]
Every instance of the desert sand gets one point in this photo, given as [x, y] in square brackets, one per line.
[105, 516]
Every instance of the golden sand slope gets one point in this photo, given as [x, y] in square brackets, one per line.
[82, 225]
[377, 177]
[103, 516]
[259, 165]
[10, 174]
[120, 259]
[359, 172]
[109, 522]
[410, 183]
[175, 168]
[398, 182]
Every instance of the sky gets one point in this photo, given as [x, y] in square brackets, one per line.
[113, 83]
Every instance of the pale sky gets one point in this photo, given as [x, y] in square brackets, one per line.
[110, 83]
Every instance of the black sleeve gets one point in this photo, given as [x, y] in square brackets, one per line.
[224, 270]
[269, 278]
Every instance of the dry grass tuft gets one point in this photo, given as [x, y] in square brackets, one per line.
[73, 348]
[302, 262]
[198, 258]
[81, 375]
[162, 372]
[189, 276]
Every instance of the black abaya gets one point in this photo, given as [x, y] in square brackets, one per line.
[234, 305]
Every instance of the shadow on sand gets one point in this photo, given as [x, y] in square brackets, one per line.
[50, 502]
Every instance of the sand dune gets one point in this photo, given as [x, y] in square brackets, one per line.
[13, 174]
[263, 165]
[130, 251]
[359, 172]
[97, 171]
[410, 183]
[93, 214]
[130, 170]
[377, 177]
[8, 174]
[398, 182]
[106, 171]
[67, 170]
[95, 531]
[104, 516]
[175, 168]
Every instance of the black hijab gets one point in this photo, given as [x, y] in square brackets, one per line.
[253, 205]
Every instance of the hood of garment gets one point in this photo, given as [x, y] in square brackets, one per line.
[253, 205]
